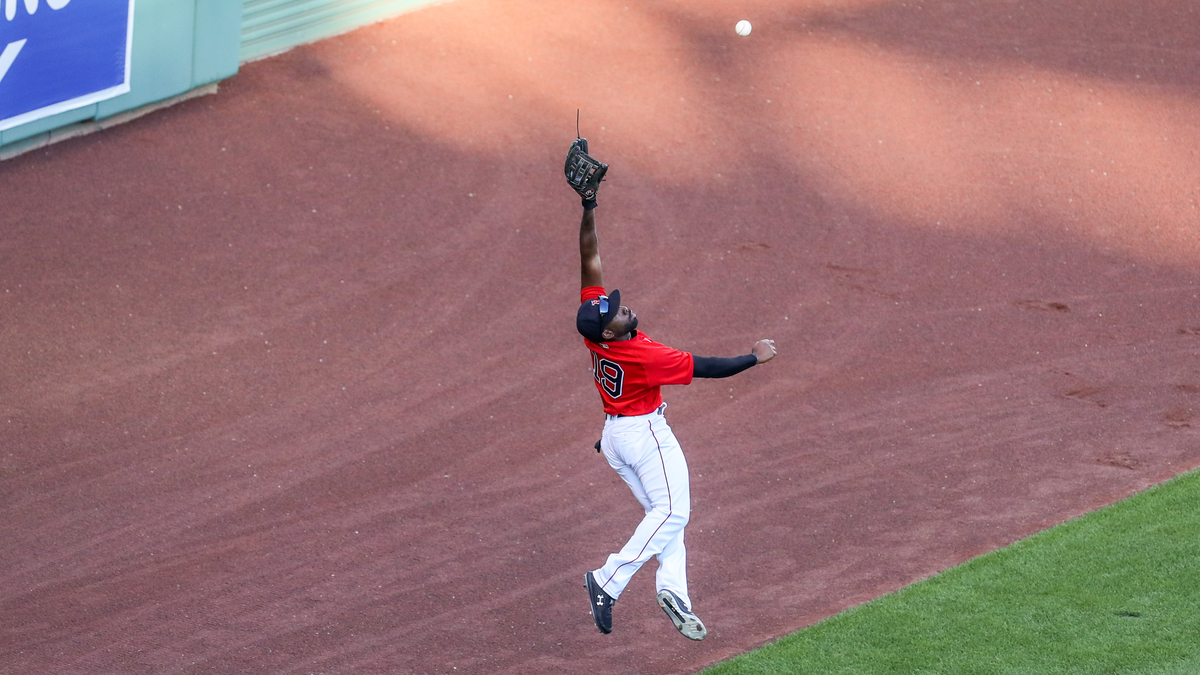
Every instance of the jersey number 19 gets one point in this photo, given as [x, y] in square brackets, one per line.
[608, 374]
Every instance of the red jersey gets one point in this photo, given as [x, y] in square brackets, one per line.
[630, 373]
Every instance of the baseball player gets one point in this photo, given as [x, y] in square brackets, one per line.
[630, 369]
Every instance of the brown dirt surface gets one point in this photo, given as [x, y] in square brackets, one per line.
[291, 383]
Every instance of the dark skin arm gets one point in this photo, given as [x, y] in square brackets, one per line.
[589, 251]
[589, 275]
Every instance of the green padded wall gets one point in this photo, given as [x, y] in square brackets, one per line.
[178, 45]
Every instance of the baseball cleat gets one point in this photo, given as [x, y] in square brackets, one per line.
[601, 602]
[688, 624]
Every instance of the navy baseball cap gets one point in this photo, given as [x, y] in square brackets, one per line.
[595, 314]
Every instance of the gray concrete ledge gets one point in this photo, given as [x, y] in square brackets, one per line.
[91, 126]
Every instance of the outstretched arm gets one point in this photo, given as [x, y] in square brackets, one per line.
[716, 367]
[589, 251]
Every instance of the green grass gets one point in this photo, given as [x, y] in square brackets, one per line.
[1116, 591]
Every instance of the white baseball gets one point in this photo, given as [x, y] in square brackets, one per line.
[742, 28]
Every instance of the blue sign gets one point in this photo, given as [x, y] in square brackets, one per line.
[58, 55]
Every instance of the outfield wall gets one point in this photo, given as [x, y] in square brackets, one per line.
[182, 48]
[178, 46]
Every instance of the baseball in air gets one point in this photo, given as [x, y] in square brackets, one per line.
[742, 28]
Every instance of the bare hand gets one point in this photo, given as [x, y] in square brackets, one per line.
[764, 350]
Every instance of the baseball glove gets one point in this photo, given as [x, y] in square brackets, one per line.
[583, 172]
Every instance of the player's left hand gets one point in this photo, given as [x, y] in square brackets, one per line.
[583, 172]
[764, 350]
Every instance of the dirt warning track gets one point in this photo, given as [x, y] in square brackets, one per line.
[291, 383]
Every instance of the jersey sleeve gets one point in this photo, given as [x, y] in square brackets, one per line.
[667, 366]
[715, 366]
[590, 293]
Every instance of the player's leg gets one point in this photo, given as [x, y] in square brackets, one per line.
[672, 569]
[672, 564]
[672, 560]
[644, 452]
[629, 475]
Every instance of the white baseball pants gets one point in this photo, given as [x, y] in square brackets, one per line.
[644, 452]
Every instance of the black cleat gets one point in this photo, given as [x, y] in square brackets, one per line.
[601, 602]
[685, 622]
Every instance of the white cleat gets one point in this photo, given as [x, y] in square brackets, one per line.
[688, 624]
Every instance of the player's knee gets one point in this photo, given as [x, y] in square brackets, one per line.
[672, 515]
[680, 516]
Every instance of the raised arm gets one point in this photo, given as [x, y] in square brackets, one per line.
[589, 250]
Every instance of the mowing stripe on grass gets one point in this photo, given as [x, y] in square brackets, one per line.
[1114, 591]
